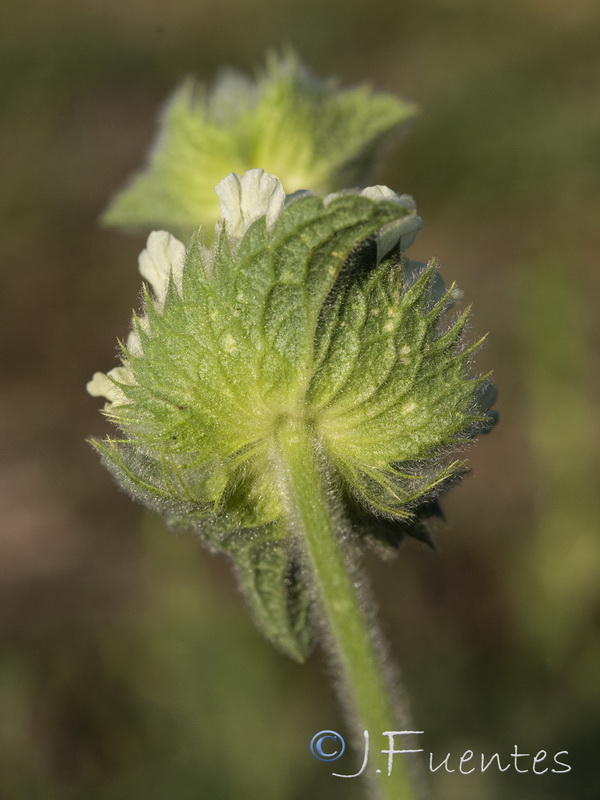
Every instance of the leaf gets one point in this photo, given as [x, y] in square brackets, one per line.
[272, 584]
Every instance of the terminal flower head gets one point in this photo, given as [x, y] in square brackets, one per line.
[303, 309]
[289, 122]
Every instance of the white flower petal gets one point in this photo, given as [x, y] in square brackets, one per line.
[164, 255]
[245, 198]
[379, 192]
[98, 385]
[101, 384]
[402, 232]
[121, 374]
[133, 342]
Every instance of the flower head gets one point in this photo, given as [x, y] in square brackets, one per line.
[303, 309]
[289, 122]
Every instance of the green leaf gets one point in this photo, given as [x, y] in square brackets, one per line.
[272, 584]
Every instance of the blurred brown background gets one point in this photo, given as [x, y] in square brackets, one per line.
[129, 667]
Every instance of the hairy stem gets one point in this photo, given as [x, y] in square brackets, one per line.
[345, 620]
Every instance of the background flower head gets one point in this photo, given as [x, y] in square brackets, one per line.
[288, 122]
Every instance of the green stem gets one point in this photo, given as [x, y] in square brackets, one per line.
[365, 687]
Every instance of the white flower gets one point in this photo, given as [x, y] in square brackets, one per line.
[105, 385]
[381, 192]
[243, 199]
[401, 232]
[133, 342]
[164, 256]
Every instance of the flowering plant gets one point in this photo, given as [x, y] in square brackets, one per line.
[290, 392]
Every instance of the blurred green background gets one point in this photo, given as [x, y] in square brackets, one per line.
[129, 667]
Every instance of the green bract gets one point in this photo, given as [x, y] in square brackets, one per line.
[288, 122]
[303, 310]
